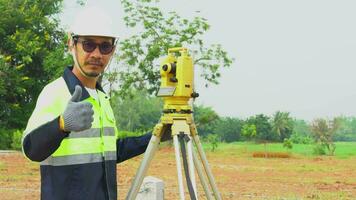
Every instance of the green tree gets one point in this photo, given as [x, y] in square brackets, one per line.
[249, 130]
[347, 129]
[205, 119]
[140, 112]
[264, 131]
[229, 129]
[31, 54]
[323, 131]
[282, 125]
[139, 54]
[301, 132]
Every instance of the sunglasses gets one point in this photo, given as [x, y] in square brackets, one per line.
[89, 46]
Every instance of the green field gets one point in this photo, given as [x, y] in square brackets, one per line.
[343, 149]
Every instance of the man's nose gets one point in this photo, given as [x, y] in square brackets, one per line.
[96, 53]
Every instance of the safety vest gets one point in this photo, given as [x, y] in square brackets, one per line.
[84, 165]
[92, 145]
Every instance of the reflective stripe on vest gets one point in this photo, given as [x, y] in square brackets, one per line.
[93, 132]
[96, 144]
[79, 159]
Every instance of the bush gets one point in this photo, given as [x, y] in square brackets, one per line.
[299, 139]
[5, 138]
[319, 149]
[16, 140]
[213, 139]
[287, 143]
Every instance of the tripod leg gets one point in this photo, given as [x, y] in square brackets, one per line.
[179, 167]
[150, 151]
[203, 180]
[206, 166]
[191, 165]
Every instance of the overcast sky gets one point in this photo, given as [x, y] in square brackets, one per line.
[296, 56]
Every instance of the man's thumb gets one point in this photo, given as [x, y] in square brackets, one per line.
[77, 94]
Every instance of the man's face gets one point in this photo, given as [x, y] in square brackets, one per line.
[93, 54]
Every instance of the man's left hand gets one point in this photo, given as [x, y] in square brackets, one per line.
[167, 134]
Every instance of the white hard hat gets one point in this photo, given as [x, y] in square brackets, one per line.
[93, 21]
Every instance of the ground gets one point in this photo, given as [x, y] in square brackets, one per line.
[238, 176]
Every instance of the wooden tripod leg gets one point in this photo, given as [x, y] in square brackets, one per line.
[202, 178]
[206, 166]
[142, 170]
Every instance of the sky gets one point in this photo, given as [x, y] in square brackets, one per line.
[292, 56]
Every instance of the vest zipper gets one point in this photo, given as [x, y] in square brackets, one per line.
[102, 145]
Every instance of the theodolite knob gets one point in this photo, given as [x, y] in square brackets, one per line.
[194, 95]
[173, 79]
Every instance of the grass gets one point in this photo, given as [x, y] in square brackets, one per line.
[343, 150]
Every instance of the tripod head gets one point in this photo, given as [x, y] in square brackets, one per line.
[177, 81]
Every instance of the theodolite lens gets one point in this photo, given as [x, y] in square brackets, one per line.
[171, 69]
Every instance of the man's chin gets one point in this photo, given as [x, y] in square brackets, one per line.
[91, 74]
[93, 70]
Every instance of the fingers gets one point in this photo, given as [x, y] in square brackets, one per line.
[86, 109]
[85, 115]
[77, 94]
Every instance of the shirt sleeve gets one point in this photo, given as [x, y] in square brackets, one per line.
[42, 135]
[131, 146]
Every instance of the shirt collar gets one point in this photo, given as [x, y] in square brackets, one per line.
[71, 81]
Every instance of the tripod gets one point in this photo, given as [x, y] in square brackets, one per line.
[177, 76]
[183, 131]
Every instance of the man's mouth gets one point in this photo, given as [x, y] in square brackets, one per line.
[99, 64]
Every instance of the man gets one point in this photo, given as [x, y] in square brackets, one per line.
[72, 130]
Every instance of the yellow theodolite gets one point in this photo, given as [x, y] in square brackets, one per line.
[177, 88]
[177, 81]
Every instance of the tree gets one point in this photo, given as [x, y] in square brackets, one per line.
[323, 131]
[31, 54]
[139, 54]
[301, 132]
[282, 125]
[205, 119]
[259, 128]
[264, 131]
[229, 129]
[139, 113]
[347, 129]
[248, 130]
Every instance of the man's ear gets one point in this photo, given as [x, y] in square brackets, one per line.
[70, 41]
[113, 51]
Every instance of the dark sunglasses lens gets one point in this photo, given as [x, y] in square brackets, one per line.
[89, 46]
[106, 47]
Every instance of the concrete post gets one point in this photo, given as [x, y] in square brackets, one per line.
[151, 189]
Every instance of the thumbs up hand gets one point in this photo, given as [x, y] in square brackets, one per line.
[77, 116]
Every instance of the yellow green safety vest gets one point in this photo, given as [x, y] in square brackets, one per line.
[83, 164]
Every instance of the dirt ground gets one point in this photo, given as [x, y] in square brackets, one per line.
[238, 176]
